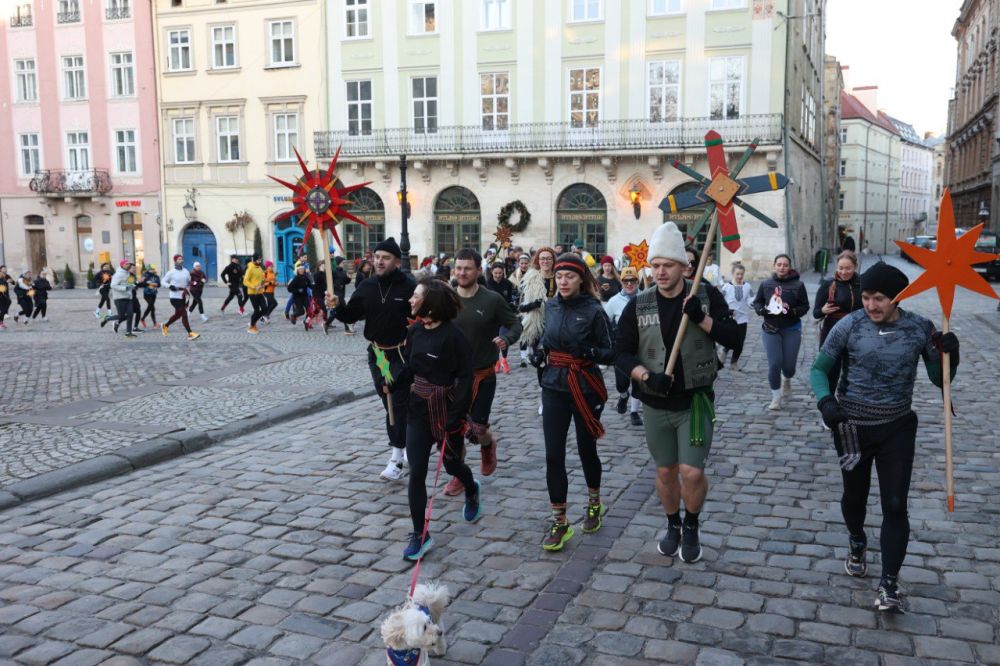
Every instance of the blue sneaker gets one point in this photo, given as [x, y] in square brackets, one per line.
[414, 549]
[473, 508]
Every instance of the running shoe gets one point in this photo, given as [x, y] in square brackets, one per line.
[193, 336]
[223, 309]
[131, 335]
[856, 563]
[622, 405]
[636, 419]
[242, 311]
[97, 313]
[786, 388]
[690, 544]
[326, 328]
[117, 323]
[524, 364]
[204, 317]
[165, 329]
[473, 507]
[104, 320]
[592, 518]
[454, 487]
[557, 535]
[393, 471]
[143, 323]
[415, 549]
[488, 459]
[887, 600]
[253, 330]
[670, 544]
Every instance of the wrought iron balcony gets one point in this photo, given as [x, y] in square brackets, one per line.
[68, 17]
[117, 13]
[21, 21]
[64, 182]
[609, 135]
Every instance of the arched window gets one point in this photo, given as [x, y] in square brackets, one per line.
[357, 238]
[457, 221]
[582, 214]
[686, 219]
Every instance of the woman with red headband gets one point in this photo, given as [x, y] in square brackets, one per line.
[577, 337]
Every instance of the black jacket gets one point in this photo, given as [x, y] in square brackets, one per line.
[298, 286]
[42, 289]
[103, 279]
[846, 296]
[340, 281]
[197, 282]
[232, 275]
[795, 301]
[384, 304]
[319, 285]
[505, 288]
[578, 326]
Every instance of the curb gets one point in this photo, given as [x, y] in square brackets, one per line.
[160, 449]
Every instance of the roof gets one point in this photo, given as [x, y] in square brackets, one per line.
[852, 108]
[906, 131]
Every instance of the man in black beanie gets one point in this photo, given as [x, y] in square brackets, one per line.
[383, 301]
[871, 418]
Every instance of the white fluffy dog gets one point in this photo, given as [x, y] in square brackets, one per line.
[411, 632]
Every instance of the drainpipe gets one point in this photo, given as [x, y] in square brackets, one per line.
[163, 216]
[888, 180]
[789, 247]
[864, 220]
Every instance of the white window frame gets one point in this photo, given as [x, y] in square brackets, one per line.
[840, 201]
[843, 135]
[670, 7]
[586, 5]
[494, 15]
[354, 10]
[494, 98]
[74, 78]
[25, 80]
[188, 139]
[287, 60]
[224, 43]
[725, 82]
[725, 5]
[426, 100]
[122, 73]
[843, 168]
[29, 147]
[585, 93]
[180, 50]
[416, 16]
[289, 134]
[120, 6]
[126, 152]
[77, 151]
[361, 105]
[227, 140]
[663, 88]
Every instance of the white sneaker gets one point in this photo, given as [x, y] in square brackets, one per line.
[786, 387]
[204, 317]
[393, 471]
[775, 399]
[97, 313]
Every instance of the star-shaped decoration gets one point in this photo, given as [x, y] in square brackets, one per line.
[950, 265]
[320, 199]
[503, 235]
[638, 255]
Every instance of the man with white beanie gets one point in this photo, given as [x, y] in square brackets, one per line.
[679, 410]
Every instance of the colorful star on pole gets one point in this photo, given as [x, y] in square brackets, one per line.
[503, 235]
[951, 264]
[637, 255]
[319, 199]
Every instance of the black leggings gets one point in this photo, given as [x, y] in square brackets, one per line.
[557, 410]
[124, 308]
[4, 306]
[41, 305]
[196, 302]
[234, 292]
[259, 304]
[105, 299]
[271, 302]
[890, 447]
[738, 349]
[26, 305]
[419, 444]
[150, 308]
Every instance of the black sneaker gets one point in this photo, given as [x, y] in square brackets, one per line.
[856, 563]
[888, 600]
[670, 544]
[636, 419]
[622, 406]
[690, 545]
[415, 548]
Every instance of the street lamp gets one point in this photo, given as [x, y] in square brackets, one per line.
[404, 236]
[189, 208]
[635, 195]
[403, 201]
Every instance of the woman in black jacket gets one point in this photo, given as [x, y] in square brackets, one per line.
[103, 279]
[577, 337]
[836, 298]
[364, 271]
[5, 286]
[298, 287]
[42, 287]
[782, 302]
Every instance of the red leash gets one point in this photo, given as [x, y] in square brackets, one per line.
[427, 517]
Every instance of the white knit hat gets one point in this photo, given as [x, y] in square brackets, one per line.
[668, 243]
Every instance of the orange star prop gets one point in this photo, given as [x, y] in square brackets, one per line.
[503, 235]
[637, 255]
[950, 265]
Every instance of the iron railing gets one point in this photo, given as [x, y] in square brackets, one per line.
[72, 16]
[21, 21]
[609, 135]
[117, 13]
[84, 182]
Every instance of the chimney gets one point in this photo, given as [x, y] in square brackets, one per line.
[867, 95]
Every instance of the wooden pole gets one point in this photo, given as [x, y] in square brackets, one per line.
[320, 235]
[682, 329]
[946, 385]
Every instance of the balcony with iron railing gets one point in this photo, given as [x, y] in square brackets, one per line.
[20, 20]
[527, 138]
[72, 16]
[71, 183]
[117, 13]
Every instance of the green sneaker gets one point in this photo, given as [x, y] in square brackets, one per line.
[592, 519]
[557, 536]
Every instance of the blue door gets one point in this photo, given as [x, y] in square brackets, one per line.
[198, 244]
[287, 246]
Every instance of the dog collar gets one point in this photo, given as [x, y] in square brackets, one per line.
[408, 657]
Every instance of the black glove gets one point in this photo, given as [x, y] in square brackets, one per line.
[173, 288]
[533, 305]
[692, 308]
[946, 342]
[833, 413]
[660, 382]
[588, 353]
[538, 358]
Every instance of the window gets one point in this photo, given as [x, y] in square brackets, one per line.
[584, 10]
[183, 140]
[282, 42]
[78, 151]
[26, 80]
[494, 94]
[118, 9]
[584, 97]
[496, 14]
[425, 104]
[179, 45]
[30, 154]
[223, 46]
[726, 88]
[228, 130]
[21, 18]
[422, 18]
[125, 161]
[69, 11]
[843, 135]
[840, 201]
[664, 90]
[356, 20]
[286, 136]
[73, 84]
[662, 7]
[122, 75]
[729, 4]
[843, 167]
[359, 107]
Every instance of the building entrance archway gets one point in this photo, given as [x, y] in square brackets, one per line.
[198, 244]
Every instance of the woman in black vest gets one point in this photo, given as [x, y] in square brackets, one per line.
[782, 302]
[577, 337]
[836, 298]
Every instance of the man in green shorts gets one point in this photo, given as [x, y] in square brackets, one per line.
[678, 409]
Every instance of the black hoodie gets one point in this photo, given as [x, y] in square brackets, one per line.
[794, 300]
[384, 304]
[846, 296]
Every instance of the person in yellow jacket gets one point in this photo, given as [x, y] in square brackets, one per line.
[270, 282]
[253, 280]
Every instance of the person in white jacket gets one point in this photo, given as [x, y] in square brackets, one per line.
[123, 284]
[178, 281]
[614, 308]
[739, 297]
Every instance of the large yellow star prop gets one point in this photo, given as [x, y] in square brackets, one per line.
[638, 255]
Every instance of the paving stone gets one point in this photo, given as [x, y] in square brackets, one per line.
[141, 641]
[771, 624]
[672, 652]
[296, 646]
[942, 648]
[217, 627]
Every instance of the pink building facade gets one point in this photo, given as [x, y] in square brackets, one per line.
[80, 178]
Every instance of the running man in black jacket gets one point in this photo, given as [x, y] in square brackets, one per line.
[232, 275]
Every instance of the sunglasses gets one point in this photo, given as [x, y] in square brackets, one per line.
[630, 281]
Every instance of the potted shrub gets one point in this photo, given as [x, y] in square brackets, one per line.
[69, 280]
[91, 280]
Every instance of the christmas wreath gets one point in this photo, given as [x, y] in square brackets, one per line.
[504, 217]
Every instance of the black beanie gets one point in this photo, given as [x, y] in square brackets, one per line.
[389, 245]
[571, 262]
[885, 279]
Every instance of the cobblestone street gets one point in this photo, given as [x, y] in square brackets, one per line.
[282, 546]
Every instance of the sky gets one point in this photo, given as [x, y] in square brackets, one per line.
[903, 47]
